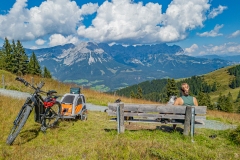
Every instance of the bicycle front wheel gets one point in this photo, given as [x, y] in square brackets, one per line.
[52, 115]
[18, 124]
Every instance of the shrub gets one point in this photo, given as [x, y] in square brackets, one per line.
[235, 135]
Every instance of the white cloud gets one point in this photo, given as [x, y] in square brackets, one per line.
[58, 39]
[235, 34]
[51, 17]
[225, 48]
[34, 47]
[212, 33]
[129, 22]
[119, 21]
[40, 42]
[191, 49]
[216, 11]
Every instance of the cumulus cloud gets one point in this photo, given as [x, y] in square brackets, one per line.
[216, 11]
[119, 21]
[126, 21]
[58, 39]
[235, 34]
[212, 33]
[40, 42]
[51, 17]
[225, 48]
[191, 49]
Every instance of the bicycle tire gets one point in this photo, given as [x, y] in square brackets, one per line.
[17, 127]
[52, 115]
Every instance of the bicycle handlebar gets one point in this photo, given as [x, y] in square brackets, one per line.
[22, 80]
[40, 85]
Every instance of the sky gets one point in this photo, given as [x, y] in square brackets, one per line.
[200, 27]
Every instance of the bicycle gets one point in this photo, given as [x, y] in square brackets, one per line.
[47, 111]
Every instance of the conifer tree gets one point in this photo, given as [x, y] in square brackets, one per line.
[15, 59]
[229, 103]
[204, 100]
[132, 94]
[171, 89]
[2, 60]
[46, 73]
[33, 65]
[139, 93]
[23, 59]
[7, 55]
[220, 102]
[238, 97]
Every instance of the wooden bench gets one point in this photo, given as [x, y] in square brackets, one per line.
[157, 113]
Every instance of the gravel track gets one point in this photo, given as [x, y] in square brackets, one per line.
[210, 124]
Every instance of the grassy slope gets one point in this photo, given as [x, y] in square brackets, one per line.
[222, 78]
[97, 138]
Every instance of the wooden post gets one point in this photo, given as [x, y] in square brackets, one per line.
[187, 120]
[192, 122]
[32, 81]
[3, 83]
[120, 118]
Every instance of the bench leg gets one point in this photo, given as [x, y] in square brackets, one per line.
[174, 126]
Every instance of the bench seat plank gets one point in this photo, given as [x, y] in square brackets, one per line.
[160, 108]
[167, 116]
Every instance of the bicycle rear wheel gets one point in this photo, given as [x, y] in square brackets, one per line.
[52, 115]
[18, 124]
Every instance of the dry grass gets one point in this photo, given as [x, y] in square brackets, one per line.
[97, 138]
[92, 96]
[232, 118]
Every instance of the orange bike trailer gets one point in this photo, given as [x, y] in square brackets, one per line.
[74, 105]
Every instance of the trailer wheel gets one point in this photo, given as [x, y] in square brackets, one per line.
[84, 116]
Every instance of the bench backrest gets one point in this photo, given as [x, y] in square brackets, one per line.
[160, 108]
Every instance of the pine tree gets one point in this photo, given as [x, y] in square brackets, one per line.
[15, 58]
[238, 97]
[229, 103]
[132, 94]
[139, 93]
[46, 73]
[220, 102]
[2, 60]
[171, 89]
[7, 55]
[204, 100]
[33, 65]
[214, 87]
[23, 60]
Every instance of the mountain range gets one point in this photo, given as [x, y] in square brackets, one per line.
[110, 67]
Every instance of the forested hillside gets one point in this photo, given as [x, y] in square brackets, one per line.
[211, 90]
[14, 59]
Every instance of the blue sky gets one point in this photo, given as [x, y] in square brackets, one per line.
[200, 27]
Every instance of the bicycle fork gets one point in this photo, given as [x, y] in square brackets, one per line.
[16, 121]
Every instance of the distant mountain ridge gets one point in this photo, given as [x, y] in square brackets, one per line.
[106, 67]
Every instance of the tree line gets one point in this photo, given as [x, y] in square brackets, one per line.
[14, 59]
[235, 82]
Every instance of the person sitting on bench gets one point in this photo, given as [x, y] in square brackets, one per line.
[185, 99]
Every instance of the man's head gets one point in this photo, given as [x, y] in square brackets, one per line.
[185, 89]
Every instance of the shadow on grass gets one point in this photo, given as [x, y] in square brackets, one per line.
[29, 135]
[164, 128]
